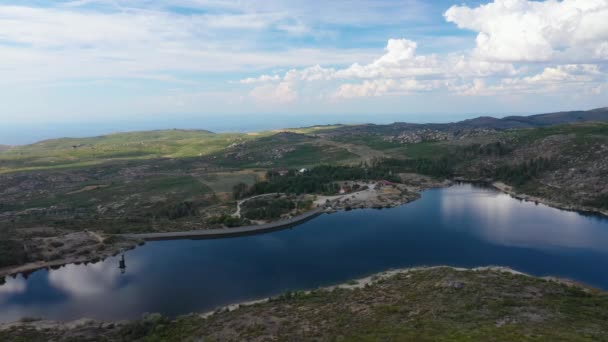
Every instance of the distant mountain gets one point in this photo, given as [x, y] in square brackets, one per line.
[539, 120]
[483, 123]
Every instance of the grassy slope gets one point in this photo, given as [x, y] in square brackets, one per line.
[439, 304]
[60, 153]
[81, 152]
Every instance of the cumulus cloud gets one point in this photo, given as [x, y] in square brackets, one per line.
[400, 70]
[261, 79]
[400, 60]
[571, 78]
[537, 31]
[383, 87]
[283, 92]
[291, 52]
[522, 46]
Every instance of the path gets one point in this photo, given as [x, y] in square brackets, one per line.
[237, 213]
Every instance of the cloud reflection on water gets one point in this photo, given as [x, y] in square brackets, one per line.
[88, 280]
[511, 222]
[12, 287]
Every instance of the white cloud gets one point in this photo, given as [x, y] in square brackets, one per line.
[182, 54]
[533, 31]
[400, 70]
[574, 79]
[261, 79]
[400, 60]
[382, 87]
[281, 93]
[63, 43]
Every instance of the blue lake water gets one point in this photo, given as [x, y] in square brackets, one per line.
[463, 225]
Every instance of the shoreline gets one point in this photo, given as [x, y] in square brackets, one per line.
[139, 239]
[507, 189]
[229, 232]
[30, 267]
[359, 283]
[353, 284]
[273, 226]
[189, 235]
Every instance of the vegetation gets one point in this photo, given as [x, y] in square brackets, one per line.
[321, 179]
[437, 304]
[240, 190]
[182, 180]
[227, 220]
[520, 174]
[267, 208]
[12, 252]
[600, 201]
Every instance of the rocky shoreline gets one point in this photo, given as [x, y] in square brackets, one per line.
[578, 208]
[94, 254]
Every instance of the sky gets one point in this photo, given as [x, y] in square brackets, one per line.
[104, 61]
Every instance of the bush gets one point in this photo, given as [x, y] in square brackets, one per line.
[12, 253]
[179, 210]
[227, 220]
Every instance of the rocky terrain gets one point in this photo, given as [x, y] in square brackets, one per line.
[427, 304]
[431, 135]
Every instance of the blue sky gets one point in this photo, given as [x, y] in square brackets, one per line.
[151, 61]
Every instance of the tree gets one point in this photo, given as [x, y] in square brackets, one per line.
[240, 190]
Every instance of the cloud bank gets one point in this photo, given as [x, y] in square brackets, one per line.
[522, 47]
[95, 57]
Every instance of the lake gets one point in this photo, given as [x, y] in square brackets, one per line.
[463, 225]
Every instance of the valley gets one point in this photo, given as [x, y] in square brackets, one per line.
[176, 180]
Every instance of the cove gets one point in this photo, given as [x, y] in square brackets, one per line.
[463, 225]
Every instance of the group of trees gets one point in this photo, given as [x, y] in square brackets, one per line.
[440, 167]
[267, 209]
[319, 180]
[495, 149]
[323, 179]
[179, 210]
[240, 191]
[227, 220]
[599, 202]
[11, 252]
[521, 173]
